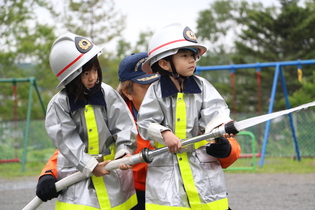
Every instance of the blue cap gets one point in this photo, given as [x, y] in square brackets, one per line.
[130, 68]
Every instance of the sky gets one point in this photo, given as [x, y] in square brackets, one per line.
[155, 14]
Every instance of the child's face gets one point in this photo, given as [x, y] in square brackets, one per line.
[89, 78]
[185, 62]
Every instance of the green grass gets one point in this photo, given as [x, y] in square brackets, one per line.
[275, 165]
[271, 165]
[13, 170]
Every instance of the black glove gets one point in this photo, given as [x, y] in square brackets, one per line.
[46, 189]
[220, 149]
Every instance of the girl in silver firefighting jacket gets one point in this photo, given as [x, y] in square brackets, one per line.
[180, 105]
[90, 124]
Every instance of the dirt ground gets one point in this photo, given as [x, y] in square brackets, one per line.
[247, 191]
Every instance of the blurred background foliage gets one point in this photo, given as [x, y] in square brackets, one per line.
[234, 31]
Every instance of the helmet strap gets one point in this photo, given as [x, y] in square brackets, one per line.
[174, 73]
[176, 76]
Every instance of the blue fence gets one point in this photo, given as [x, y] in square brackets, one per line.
[277, 75]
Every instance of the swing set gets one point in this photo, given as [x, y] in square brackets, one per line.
[258, 80]
[278, 73]
[33, 85]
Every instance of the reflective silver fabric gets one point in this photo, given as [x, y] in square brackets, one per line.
[68, 132]
[164, 183]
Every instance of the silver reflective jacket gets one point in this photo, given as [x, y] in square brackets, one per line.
[164, 184]
[67, 130]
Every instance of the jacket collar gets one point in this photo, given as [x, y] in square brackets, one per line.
[93, 98]
[168, 88]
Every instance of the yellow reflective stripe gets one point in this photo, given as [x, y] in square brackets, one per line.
[158, 145]
[92, 132]
[200, 144]
[180, 123]
[215, 205]
[131, 202]
[101, 192]
[67, 206]
[187, 176]
[180, 128]
[151, 206]
[112, 149]
[182, 158]
[93, 148]
[188, 179]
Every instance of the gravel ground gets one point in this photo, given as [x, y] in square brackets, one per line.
[247, 191]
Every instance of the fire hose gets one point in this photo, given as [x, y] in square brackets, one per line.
[147, 155]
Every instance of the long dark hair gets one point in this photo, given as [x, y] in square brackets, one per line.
[76, 86]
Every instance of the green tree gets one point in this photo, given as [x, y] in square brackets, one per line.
[26, 38]
[97, 19]
[306, 93]
[281, 35]
[23, 39]
[144, 39]
[259, 34]
[124, 49]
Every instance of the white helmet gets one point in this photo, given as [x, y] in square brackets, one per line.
[68, 54]
[168, 40]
